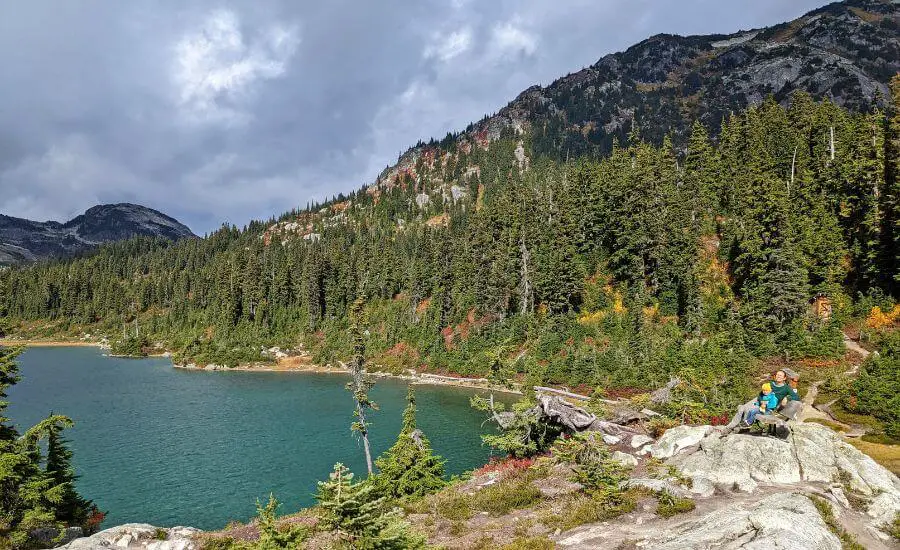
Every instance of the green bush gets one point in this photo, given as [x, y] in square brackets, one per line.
[453, 506]
[848, 541]
[131, 346]
[877, 390]
[669, 505]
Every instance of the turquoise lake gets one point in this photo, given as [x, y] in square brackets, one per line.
[170, 447]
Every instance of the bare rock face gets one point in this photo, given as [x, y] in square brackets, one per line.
[812, 454]
[784, 520]
[742, 461]
[139, 536]
[779, 521]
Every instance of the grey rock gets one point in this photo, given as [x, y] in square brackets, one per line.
[611, 439]
[658, 485]
[639, 441]
[624, 458]
[813, 453]
[139, 536]
[780, 521]
[678, 439]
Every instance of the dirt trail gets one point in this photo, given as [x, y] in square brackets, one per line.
[810, 412]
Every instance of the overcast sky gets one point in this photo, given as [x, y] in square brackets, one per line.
[240, 109]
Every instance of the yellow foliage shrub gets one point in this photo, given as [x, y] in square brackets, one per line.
[878, 319]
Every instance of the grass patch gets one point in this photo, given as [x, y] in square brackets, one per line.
[848, 541]
[886, 455]
[883, 439]
[160, 534]
[670, 505]
[218, 543]
[530, 543]
[893, 528]
[507, 495]
[871, 423]
[453, 506]
[583, 509]
[828, 423]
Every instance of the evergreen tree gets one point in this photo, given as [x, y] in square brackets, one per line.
[33, 497]
[71, 508]
[409, 468]
[359, 518]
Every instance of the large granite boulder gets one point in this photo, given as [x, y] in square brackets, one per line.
[812, 453]
[139, 536]
[784, 520]
[678, 439]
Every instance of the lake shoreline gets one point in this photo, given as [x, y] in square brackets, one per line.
[414, 378]
[419, 378]
[11, 342]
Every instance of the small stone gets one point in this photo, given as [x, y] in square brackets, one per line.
[624, 458]
[839, 496]
[611, 439]
[640, 440]
[677, 439]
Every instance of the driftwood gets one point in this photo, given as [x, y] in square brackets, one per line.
[664, 394]
[626, 415]
[555, 410]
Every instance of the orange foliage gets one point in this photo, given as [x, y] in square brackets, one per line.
[880, 319]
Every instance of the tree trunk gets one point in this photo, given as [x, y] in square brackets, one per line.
[365, 437]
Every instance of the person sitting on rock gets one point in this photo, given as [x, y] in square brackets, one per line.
[786, 393]
[788, 403]
[765, 401]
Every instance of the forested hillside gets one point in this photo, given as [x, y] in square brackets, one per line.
[490, 257]
[580, 272]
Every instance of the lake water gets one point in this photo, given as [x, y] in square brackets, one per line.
[172, 447]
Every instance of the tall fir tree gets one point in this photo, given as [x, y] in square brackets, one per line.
[409, 469]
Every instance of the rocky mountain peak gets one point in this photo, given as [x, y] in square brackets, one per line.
[23, 241]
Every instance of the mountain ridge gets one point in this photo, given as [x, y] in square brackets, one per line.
[24, 241]
[844, 51]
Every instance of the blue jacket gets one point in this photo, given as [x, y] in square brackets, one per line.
[771, 401]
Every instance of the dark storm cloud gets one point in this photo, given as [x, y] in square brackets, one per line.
[240, 109]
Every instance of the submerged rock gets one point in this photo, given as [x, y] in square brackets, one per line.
[139, 535]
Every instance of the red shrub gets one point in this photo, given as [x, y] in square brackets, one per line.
[505, 466]
[93, 521]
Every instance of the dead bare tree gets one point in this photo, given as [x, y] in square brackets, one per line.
[359, 384]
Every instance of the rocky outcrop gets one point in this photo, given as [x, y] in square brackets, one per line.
[778, 521]
[813, 456]
[140, 536]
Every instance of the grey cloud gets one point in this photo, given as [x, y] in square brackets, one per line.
[282, 102]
